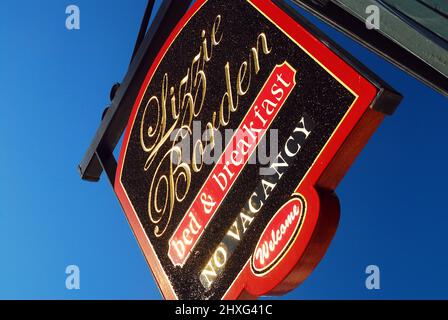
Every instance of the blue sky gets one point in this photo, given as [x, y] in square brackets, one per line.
[54, 84]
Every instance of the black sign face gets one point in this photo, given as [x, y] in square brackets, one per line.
[244, 120]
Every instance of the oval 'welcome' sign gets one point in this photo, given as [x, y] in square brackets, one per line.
[276, 239]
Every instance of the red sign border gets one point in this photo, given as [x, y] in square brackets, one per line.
[316, 187]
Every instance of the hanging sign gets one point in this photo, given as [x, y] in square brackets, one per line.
[243, 128]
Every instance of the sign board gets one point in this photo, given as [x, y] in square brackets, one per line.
[246, 122]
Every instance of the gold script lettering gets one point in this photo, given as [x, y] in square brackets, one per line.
[172, 114]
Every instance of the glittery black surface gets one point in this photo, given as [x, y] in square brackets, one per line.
[317, 94]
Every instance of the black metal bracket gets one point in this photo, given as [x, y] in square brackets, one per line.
[100, 156]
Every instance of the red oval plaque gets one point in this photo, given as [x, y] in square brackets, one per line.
[278, 235]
